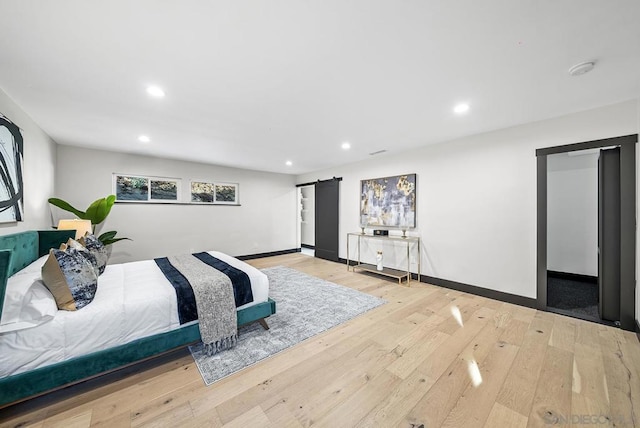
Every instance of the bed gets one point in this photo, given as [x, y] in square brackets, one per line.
[61, 350]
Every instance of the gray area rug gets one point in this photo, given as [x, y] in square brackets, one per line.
[305, 306]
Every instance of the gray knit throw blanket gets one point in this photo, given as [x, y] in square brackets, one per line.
[215, 302]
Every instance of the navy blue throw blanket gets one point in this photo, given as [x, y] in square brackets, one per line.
[240, 280]
[187, 309]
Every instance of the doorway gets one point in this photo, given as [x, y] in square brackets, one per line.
[319, 222]
[572, 233]
[307, 219]
[586, 237]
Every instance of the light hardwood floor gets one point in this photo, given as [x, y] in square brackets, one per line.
[405, 364]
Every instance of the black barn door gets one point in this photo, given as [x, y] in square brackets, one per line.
[609, 233]
[327, 199]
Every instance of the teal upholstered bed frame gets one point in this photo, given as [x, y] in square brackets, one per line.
[18, 251]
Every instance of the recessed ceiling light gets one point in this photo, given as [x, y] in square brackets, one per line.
[155, 91]
[289, 163]
[144, 139]
[461, 108]
[346, 145]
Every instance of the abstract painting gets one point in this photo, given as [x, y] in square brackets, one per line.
[11, 191]
[388, 201]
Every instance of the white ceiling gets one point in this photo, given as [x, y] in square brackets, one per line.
[255, 83]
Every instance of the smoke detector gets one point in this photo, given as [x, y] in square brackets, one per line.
[582, 68]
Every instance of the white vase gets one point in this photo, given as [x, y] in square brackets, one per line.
[379, 261]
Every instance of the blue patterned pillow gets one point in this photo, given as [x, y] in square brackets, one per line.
[70, 278]
[101, 253]
[75, 246]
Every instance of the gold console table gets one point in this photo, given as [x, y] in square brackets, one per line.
[393, 273]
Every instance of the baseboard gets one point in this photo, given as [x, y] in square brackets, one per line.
[471, 289]
[638, 329]
[310, 247]
[481, 291]
[572, 276]
[269, 254]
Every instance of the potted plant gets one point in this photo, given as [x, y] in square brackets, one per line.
[97, 213]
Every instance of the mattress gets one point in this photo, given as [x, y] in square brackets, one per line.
[133, 300]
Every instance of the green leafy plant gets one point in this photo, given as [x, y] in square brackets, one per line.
[97, 213]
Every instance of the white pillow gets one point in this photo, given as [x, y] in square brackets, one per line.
[27, 302]
[34, 267]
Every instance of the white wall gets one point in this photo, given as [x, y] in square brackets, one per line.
[476, 196]
[572, 213]
[38, 169]
[265, 221]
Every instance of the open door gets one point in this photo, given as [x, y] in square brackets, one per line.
[326, 219]
[626, 257]
[609, 234]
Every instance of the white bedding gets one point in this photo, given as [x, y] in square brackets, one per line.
[134, 300]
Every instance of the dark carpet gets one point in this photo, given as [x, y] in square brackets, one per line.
[578, 297]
